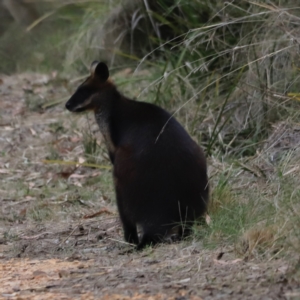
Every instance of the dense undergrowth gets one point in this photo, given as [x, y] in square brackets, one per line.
[229, 71]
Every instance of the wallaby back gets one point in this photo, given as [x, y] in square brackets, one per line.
[160, 174]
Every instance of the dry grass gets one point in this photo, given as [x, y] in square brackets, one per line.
[256, 238]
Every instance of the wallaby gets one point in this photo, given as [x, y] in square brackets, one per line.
[159, 172]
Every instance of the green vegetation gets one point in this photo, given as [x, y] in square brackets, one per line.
[228, 71]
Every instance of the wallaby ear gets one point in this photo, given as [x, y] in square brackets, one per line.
[93, 67]
[99, 70]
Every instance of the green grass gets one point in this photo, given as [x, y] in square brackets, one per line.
[226, 79]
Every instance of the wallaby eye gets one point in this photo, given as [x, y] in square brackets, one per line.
[86, 92]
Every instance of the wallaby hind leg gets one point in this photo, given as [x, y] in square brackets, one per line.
[153, 235]
[149, 240]
[130, 231]
[130, 235]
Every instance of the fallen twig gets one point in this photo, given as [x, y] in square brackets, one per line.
[98, 213]
[63, 241]
[71, 163]
[34, 237]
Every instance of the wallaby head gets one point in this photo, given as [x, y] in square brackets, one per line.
[86, 95]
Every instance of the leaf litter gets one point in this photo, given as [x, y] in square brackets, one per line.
[60, 233]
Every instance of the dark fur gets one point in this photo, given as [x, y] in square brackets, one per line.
[159, 171]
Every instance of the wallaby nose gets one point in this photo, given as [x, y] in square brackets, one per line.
[68, 106]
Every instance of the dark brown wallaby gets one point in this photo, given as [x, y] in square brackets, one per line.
[159, 172]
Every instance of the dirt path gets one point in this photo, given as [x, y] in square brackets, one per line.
[172, 272]
[52, 246]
